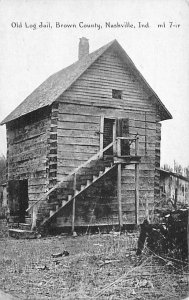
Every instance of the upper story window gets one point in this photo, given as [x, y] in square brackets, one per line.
[117, 94]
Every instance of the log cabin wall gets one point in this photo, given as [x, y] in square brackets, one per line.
[52, 157]
[27, 148]
[78, 138]
[157, 163]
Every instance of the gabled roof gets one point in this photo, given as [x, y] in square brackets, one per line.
[58, 83]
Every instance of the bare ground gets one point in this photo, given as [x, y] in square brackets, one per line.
[101, 266]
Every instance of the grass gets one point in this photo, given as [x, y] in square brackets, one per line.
[101, 266]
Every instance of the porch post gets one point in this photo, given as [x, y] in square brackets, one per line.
[101, 132]
[73, 207]
[136, 184]
[34, 216]
[119, 184]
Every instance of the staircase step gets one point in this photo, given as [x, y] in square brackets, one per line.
[84, 177]
[94, 177]
[89, 182]
[64, 201]
[22, 234]
[24, 226]
[54, 207]
[82, 187]
[63, 197]
[100, 164]
[89, 171]
[53, 203]
[52, 212]
[28, 220]
[76, 192]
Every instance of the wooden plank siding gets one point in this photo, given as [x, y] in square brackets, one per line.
[96, 81]
[27, 149]
[78, 138]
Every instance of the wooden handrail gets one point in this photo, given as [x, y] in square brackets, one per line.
[125, 138]
[71, 174]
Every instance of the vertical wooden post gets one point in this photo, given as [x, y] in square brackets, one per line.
[136, 184]
[147, 210]
[34, 216]
[119, 184]
[101, 133]
[188, 235]
[73, 207]
[114, 138]
[145, 135]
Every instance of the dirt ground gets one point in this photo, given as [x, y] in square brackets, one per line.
[100, 266]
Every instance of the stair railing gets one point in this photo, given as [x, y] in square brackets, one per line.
[134, 140]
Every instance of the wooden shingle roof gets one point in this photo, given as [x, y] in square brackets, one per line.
[58, 83]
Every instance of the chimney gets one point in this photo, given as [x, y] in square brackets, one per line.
[83, 47]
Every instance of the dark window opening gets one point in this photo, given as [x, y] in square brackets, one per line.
[108, 135]
[116, 94]
[18, 198]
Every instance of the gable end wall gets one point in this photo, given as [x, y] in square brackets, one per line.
[27, 148]
[80, 109]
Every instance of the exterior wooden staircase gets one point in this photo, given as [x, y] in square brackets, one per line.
[78, 181]
[70, 188]
[77, 192]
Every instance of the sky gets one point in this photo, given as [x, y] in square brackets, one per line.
[29, 54]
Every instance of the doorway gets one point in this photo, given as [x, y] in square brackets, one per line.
[18, 198]
[111, 128]
[107, 134]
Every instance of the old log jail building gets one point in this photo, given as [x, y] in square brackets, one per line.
[84, 147]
